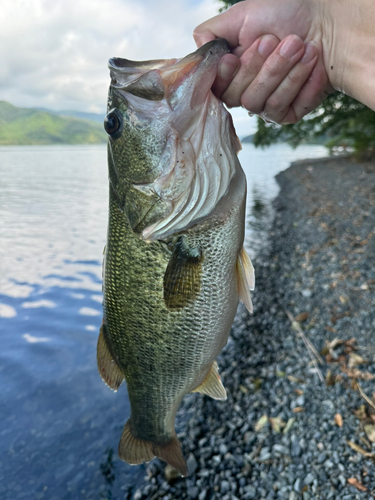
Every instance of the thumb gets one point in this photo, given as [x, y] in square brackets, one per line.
[202, 37]
[226, 25]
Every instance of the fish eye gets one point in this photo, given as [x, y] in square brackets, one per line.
[113, 123]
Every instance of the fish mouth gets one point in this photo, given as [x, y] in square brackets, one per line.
[168, 78]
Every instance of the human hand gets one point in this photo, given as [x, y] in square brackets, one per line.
[276, 67]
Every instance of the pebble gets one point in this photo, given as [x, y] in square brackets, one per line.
[192, 464]
[203, 494]
[309, 478]
[225, 487]
[279, 448]
[295, 448]
[223, 449]
[193, 492]
[298, 485]
[342, 480]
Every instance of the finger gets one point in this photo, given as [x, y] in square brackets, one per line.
[228, 67]
[226, 25]
[273, 72]
[278, 106]
[312, 93]
[202, 38]
[252, 61]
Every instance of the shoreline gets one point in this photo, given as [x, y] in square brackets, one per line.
[283, 433]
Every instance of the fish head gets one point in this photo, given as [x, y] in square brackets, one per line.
[164, 126]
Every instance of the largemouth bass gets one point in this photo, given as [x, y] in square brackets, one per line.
[174, 266]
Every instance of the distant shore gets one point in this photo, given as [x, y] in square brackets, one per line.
[283, 433]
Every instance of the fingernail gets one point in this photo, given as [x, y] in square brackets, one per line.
[310, 52]
[291, 46]
[267, 45]
[228, 68]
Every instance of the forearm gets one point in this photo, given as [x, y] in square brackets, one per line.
[349, 47]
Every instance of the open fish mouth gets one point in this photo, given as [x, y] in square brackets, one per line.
[162, 78]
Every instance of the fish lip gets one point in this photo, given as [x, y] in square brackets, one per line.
[217, 47]
[124, 65]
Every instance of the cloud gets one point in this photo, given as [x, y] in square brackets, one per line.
[54, 53]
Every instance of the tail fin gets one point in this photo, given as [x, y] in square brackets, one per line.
[135, 451]
[172, 454]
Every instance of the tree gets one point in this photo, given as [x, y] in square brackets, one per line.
[340, 121]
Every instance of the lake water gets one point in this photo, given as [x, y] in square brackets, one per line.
[59, 423]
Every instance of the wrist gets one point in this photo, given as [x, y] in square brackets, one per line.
[348, 39]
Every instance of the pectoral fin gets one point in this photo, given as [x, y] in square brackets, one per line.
[108, 369]
[182, 279]
[212, 385]
[245, 278]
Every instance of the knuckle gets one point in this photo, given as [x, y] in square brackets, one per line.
[293, 79]
[273, 103]
[247, 68]
[231, 98]
[273, 67]
[250, 105]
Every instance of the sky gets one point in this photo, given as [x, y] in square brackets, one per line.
[54, 53]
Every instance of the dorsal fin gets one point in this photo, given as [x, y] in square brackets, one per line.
[245, 278]
[111, 374]
[212, 385]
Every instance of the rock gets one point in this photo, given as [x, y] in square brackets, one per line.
[279, 448]
[224, 487]
[249, 437]
[295, 448]
[223, 449]
[203, 494]
[300, 401]
[193, 492]
[298, 485]
[309, 478]
[342, 479]
[138, 495]
[250, 492]
[192, 464]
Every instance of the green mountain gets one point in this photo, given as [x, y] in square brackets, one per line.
[21, 126]
[95, 117]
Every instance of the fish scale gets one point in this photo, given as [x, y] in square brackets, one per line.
[172, 274]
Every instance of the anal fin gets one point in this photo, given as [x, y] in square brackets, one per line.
[212, 385]
[108, 369]
[245, 278]
[136, 451]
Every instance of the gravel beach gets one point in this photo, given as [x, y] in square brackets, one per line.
[293, 427]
